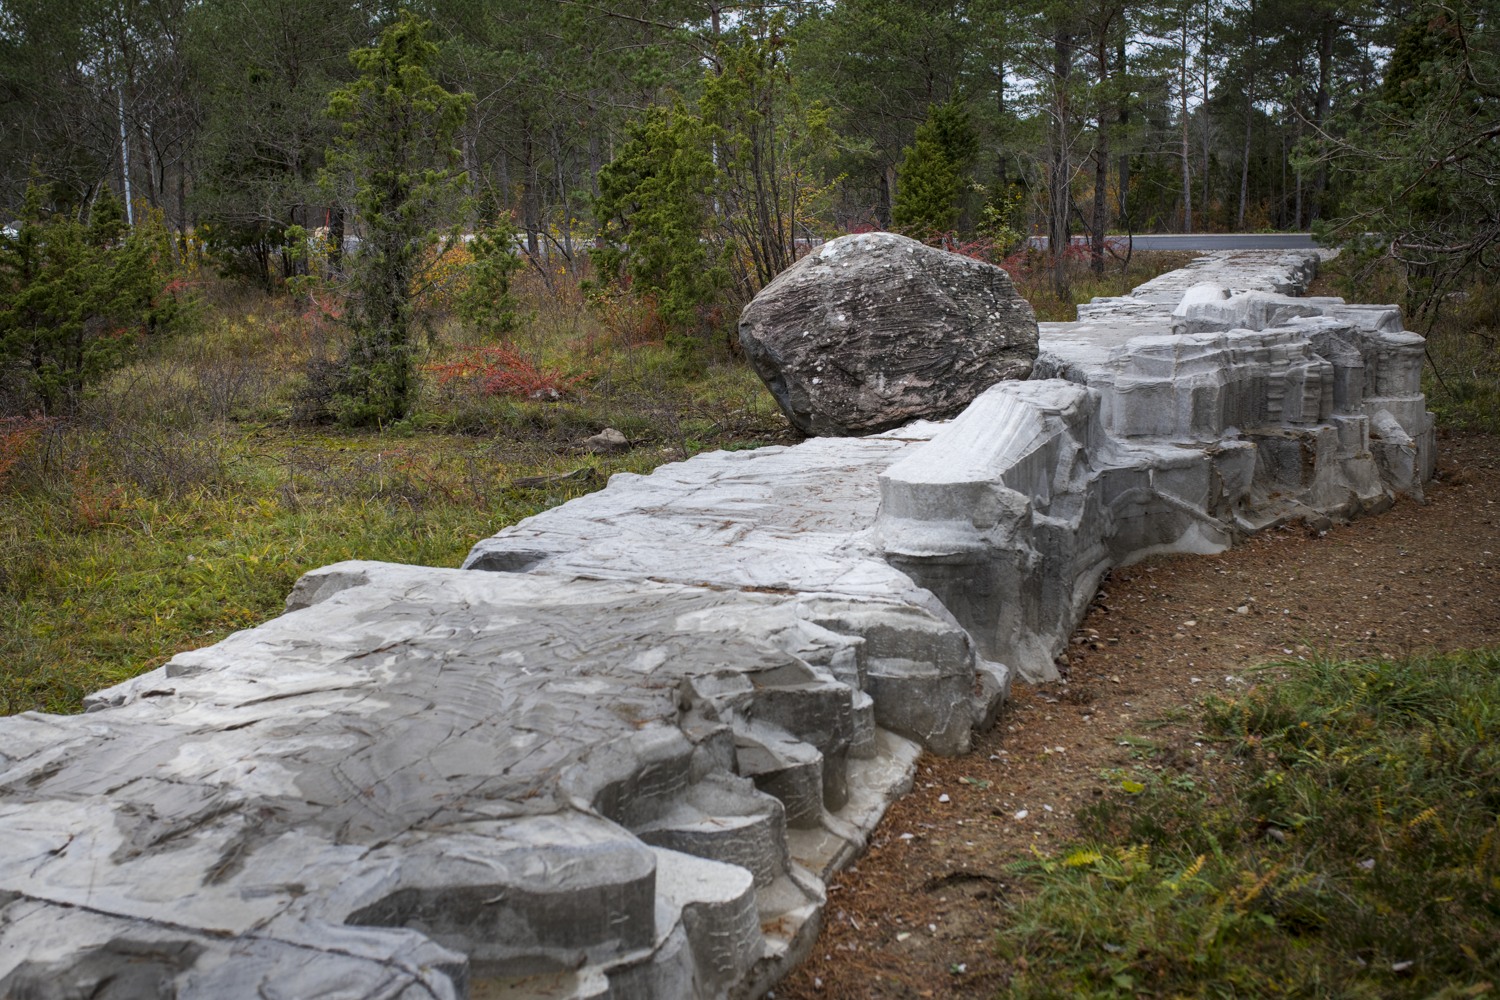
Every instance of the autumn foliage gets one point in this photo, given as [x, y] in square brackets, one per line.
[501, 371]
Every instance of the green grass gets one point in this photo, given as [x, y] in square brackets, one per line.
[103, 584]
[183, 502]
[1346, 844]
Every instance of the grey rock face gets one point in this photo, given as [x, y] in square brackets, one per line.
[870, 332]
[779, 521]
[425, 777]
[623, 762]
[1204, 407]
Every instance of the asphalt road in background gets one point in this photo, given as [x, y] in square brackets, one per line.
[1204, 241]
[1225, 241]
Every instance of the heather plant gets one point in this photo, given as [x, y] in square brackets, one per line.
[18, 435]
[501, 371]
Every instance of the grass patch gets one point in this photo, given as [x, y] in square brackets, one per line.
[1347, 844]
[106, 577]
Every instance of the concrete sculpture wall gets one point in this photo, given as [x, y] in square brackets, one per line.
[623, 761]
[1204, 407]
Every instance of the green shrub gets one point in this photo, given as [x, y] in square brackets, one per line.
[77, 299]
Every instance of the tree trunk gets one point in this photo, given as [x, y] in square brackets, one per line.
[1325, 100]
[1297, 204]
[886, 196]
[336, 237]
[1203, 117]
[1187, 166]
[530, 206]
[1101, 183]
[1297, 183]
[1059, 183]
[1239, 223]
[182, 209]
[1101, 163]
[1281, 201]
[470, 162]
[596, 160]
[560, 179]
[125, 160]
[1122, 169]
[506, 191]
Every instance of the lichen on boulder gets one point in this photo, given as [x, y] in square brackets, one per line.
[872, 331]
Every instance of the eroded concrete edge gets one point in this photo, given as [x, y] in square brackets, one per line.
[1205, 407]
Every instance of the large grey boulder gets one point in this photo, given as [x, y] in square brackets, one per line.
[872, 331]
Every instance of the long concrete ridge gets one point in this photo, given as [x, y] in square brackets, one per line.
[620, 753]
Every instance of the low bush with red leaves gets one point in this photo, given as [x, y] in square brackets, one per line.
[501, 371]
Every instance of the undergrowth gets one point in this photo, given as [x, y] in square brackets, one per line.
[1348, 846]
[185, 498]
[1034, 277]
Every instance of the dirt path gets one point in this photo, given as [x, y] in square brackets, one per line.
[916, 916]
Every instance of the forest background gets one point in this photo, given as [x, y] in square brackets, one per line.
[1095, 117]
[290, 282]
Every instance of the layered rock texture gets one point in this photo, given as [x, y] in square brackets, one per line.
[1206, 406]
[619, 754]
[870, 332]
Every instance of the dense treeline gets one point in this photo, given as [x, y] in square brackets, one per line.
[769, 123]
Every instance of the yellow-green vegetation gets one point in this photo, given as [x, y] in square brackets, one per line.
[1034, 277]
[1462, 378]
[1343, 841]
[183, 500]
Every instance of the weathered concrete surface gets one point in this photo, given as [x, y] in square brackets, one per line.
[1204, 407]
[622, 763]
[418, 776]
[870, 332]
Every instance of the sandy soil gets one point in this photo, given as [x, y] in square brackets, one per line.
[916, 916]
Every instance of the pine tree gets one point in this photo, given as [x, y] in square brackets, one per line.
[653, 218]
[396, 150]
[77, 299]
[934, 170]
[1424, 156]
[486, 302]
